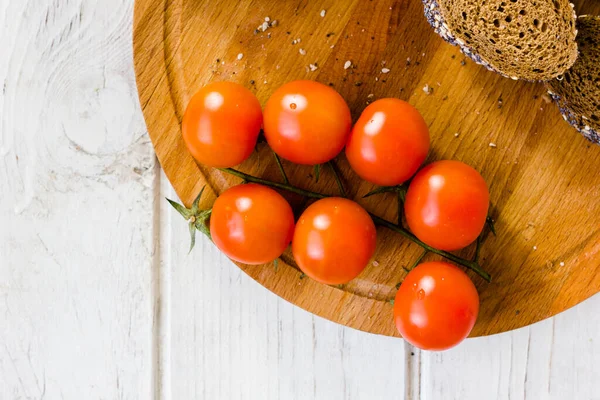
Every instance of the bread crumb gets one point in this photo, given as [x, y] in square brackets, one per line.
[370, 95]
[546, 98]
[323, 12]
[240, 56]
[264, 26]
[274, 23]
[347, 64]
[493, 145]
[302, 51]
[313, 67]
[375, 263]
[427, 89]
[385, 70]
[267, 19]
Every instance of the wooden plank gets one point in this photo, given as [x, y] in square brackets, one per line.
[76, 205]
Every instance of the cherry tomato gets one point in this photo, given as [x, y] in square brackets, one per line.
[436, 306]
[307, 122]
[252, 224]
[221, 124]
[388, 143]
[334, 240]
[447, 204]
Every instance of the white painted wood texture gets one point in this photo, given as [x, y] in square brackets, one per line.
[100, 300]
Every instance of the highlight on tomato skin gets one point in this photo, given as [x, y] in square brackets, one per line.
[334, 240]
[306, 122]
[447, 205]
[252, 224]
[436, 306]
[221, 124]
[388, 143]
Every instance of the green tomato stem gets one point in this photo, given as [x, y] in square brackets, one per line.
[338, 179]
[281, 170]
[473, 265]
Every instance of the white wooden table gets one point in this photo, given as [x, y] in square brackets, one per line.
[100, 300]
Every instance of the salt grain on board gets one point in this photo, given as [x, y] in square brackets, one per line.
[347, 64]
[240, 56]
[323, 12]
[385, 70]
[492, 145]
[313, 67]
[302, 51]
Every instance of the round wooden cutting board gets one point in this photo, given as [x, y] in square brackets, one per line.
[544, 177]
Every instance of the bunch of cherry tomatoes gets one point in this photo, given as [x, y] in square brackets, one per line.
[309, 123]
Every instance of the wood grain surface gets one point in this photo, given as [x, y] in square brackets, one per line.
[542, 175]
[77, 172]
[99, 298]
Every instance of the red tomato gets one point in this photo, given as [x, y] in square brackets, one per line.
[221, 124]
[388, 143]
[334, 240]
[447, 204]
[307, 122]
[436, 306]
[252, 224]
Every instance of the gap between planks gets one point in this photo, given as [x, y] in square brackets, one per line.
[161, 289]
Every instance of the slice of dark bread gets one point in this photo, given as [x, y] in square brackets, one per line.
[521, 39]
[577, 92]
